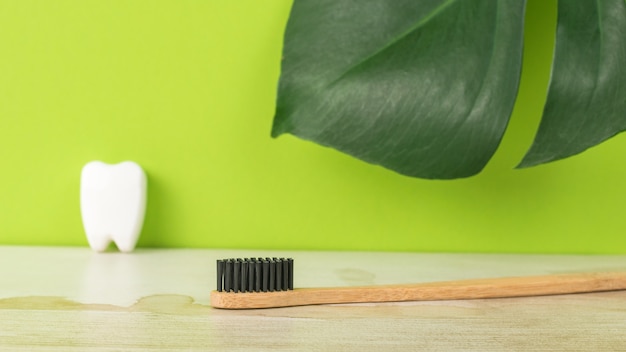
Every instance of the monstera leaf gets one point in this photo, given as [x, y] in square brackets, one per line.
[426, 88]
[586, 100]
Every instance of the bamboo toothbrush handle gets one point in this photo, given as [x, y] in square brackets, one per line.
[448, 290]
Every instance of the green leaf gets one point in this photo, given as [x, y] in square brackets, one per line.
[586, 103]
[424, 88]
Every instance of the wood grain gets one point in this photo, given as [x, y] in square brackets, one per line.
[449, 290]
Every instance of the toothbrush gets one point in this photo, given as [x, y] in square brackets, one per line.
[268, 283]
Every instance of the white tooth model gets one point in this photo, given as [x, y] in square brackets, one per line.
[112, 204]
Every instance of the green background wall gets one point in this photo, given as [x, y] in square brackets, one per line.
[186, 88]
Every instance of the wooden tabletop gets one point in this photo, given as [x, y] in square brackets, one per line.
[71, 299]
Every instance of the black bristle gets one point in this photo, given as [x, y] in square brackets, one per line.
[220, 274]
[258, 275]
[250, 275]
[272, 283]
[228, 275]
[285, 270]
[236, 274]
[254, 275]
[244, 276]
[290, 282]
[266, 275]
[279, 275]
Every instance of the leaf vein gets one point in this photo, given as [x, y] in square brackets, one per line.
[409, 31]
